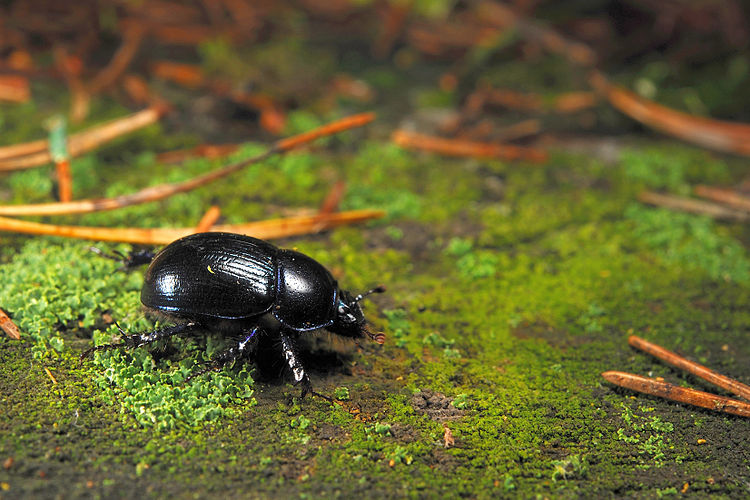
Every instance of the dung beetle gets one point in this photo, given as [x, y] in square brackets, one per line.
[244, 288]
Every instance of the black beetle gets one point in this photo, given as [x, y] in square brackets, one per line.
[244, 287]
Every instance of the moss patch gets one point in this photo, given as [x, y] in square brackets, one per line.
[503, 307]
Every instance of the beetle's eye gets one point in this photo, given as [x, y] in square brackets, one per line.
[342, 310]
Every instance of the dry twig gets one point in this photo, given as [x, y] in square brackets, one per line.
[453, 147]
[269, 229]
[208, 219]
[669, 357]
[690, 205]
[673, 392]
[35, 154]
[7, 325]
[718, 135]
[725, 196]
[162, 191]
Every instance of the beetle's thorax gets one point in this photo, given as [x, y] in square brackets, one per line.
[306, 293]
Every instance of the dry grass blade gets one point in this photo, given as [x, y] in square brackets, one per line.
[669, 357]
[270, 229]
[7, 325]
[35, 154]
[471, 149]
[673, 392]
[718, 135]
[692, 206]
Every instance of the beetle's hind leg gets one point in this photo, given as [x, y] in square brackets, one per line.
[133, 341]
[243, 349]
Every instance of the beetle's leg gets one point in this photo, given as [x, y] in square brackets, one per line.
[134, 259]
[289, 349]
[241, 350]
[140, 339]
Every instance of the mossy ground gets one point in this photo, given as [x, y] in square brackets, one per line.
[511, 287]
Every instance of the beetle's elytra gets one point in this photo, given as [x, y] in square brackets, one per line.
[245, 287]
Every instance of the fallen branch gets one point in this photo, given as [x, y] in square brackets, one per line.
[453, 147]
[718, 135]
[690, 205]
[673, 392]
[162, 191]
[269, 229]
[35, 154]
[7, 325]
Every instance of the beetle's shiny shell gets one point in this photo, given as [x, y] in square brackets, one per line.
[230, 276]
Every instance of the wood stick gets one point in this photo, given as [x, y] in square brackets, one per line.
[64, 181]
[683, 204]
[347, 123]
[208, 219]
[718, 135]
[36, 153]
[269, 229]
[333, 199]
[726, 196]
[161, 191]
[453, 147]
[673, 392]
[671, 358]
[7, 325]
[132, 38]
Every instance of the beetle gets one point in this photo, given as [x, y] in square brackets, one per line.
[243, 288]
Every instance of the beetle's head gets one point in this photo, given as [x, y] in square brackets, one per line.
[350, 320]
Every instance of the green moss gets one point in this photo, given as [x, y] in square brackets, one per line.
[503, 308]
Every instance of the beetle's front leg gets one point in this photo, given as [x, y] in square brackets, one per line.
[289, 348]
[290, 351]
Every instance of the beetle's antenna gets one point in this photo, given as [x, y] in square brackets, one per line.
[377, 289]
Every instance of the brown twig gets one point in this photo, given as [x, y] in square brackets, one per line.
[64, 180]
[269, 229]
[725, 196]
[7, 325]
[669, 357]
[333, 198]
[336, 127]
[673, 392]
[718, 135]
[208, 219]
[692, 206]
[132, 38]
[162, 191]
[14, 88]
[453, 147]
[34, 154]
[201, 151]
[49, 374]
[504, 17]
